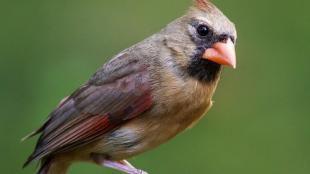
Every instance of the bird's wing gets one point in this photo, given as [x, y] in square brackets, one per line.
[99, 106]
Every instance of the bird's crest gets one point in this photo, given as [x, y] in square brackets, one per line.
[203, 5]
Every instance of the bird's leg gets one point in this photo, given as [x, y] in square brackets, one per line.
[126, 163]
[122, 165]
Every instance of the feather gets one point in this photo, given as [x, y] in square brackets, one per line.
[203, 5]
[93, 110]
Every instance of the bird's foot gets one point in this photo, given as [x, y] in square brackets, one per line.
[122, 165]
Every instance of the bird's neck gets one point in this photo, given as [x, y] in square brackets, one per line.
[203, 70]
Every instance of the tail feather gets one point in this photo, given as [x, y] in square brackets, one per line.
[36, 155]
[54, 165]
[36, 132]
[29, 160]
[45, 166]
[30, 135]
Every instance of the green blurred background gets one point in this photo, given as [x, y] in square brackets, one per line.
[260, 123]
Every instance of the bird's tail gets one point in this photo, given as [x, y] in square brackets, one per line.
[45, 166]
[52, 166]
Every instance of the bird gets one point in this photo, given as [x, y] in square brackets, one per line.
[142, 97]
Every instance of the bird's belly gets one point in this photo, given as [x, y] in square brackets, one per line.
[147, 132]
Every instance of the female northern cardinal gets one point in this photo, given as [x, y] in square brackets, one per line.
[141, 98]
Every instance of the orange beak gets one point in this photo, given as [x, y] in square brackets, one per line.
[222, 53]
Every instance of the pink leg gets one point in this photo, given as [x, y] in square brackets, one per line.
[127, 167]
[122, 165]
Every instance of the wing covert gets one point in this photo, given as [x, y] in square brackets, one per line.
[93, 110]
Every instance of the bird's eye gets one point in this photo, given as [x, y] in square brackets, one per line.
[202, 30]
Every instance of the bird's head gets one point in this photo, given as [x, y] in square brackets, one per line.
[203, 40]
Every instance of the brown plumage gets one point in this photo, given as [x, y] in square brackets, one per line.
[142, 97]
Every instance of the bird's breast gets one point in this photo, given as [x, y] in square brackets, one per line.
[173, 111]
[177, 104]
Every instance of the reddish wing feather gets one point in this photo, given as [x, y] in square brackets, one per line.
[92, 111]
[98, 125]
[88, 127]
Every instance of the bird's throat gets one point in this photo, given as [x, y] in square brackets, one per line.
[204, 70]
